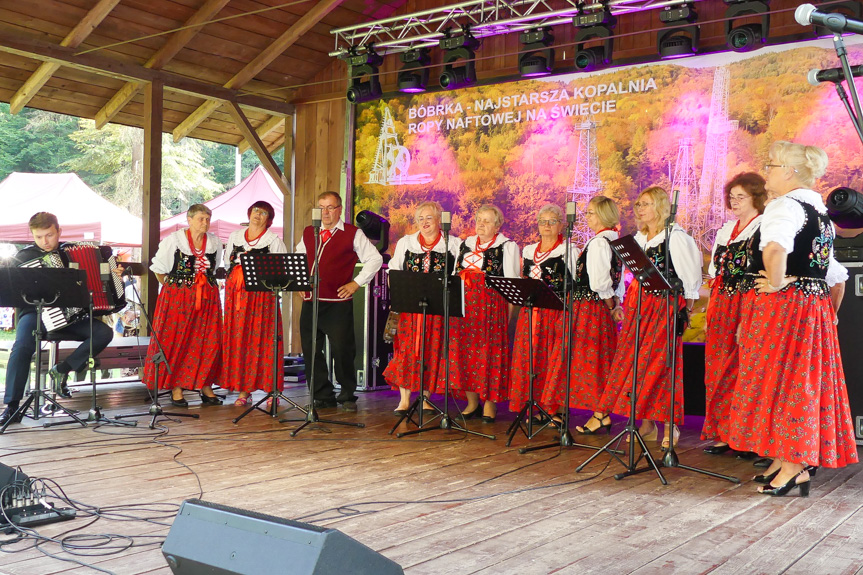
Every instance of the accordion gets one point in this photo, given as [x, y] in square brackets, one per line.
[103, 284]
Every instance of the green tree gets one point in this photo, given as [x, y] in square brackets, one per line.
[34, 141]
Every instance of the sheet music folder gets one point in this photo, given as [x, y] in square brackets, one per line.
[408, 290]
[637, 262]
[57, 287]
[266, 272]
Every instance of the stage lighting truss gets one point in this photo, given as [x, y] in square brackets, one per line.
[414, 75]
[750, 36]
[485, 18]
[678, 41]
[536, 57]
[593, 26]
[455, 49]
[363, 70]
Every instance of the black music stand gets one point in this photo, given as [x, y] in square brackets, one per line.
[274, 273]
[529, 293]
[40, 287]
[649, 277]
[421, 293]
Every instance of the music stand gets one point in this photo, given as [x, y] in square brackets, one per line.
[529, 293]
[421, 293]
[274, 273]
[648, 276]
[40, 287]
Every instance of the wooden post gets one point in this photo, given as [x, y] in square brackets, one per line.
[152, 199]
[288, 230]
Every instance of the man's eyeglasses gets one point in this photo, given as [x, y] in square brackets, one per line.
[329, 208]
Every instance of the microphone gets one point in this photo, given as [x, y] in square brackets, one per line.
[837, 23]
[673, 213]
[834, 75]
[570, 212]
[316, 217]
[445, 221]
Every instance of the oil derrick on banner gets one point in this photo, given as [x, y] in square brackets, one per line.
[684, 180]
[711, 213]
[392, 160]
[586, 183]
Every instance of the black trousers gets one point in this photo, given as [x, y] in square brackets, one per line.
[18, 369]
[336, 323]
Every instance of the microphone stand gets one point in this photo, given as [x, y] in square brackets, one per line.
[842, 53]
[670, 458]
[311, 412]
[159, 357]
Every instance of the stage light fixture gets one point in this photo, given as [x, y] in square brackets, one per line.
[414, 75]
[375, 227]
[536, 58]
[678, 41]
[457, 48]
[594, 57]
[845, 208]
[361, 66]
[747, 36]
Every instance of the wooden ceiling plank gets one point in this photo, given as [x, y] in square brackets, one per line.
[94, 62]
[260, 149]
[263, 59]
[170, 49]
[77, 35]
[262, 131]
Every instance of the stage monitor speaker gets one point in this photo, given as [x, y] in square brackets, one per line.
[850, 330]
[212, 539]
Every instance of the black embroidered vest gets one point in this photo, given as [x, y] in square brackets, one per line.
[492, 259]
[581, 289]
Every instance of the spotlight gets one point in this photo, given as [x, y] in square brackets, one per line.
[361, 65]
[748, 36]
[681, 13]
[595, 57]
[845, 208]
[376, 228]
[678, 41]
[536, 58]
[456, 48]
[414, 75]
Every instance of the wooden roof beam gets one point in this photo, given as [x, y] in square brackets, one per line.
[72, 40]
[163, 55]
[255, 142]
[261, 61]
[12, 43]
[262, 131]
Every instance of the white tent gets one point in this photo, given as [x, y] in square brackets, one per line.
[83, 214]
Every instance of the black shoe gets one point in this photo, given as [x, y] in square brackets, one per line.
[812, 469]
[58, 383]
[471, 414]
[8, 416]
[488, 418]
[765, 479]
[400, 412]
[585, 430]
[762, 462]
[349, 406]
[717, 449]
[783, 490]
[746, 455]
[179, 402]
[209, 400]
[325, 403]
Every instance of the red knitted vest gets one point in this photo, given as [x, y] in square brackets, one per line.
[338, 259]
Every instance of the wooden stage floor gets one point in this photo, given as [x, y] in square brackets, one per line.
[437, 503]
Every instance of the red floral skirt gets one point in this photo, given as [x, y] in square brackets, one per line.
[594, 339]
[247, 337]
[479, 344]
[790, 401]
[403, 369]
[547, 332]
[721, 362]
[654, 378]
[191, 338]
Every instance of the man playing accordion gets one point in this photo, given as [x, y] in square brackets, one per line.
[46, 235]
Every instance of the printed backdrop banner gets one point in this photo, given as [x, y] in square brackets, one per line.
[688, 125]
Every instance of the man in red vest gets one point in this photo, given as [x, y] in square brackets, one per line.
[341, 247]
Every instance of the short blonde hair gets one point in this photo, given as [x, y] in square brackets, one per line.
[433, 206]
[606, 210]
[553, 208]
[498, 214]
[808, 162]
[195, 209]
[660, 204]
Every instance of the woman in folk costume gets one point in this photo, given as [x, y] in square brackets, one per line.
[790, 402]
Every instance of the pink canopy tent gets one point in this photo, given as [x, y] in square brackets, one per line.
[84, 215]
[230, 209]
